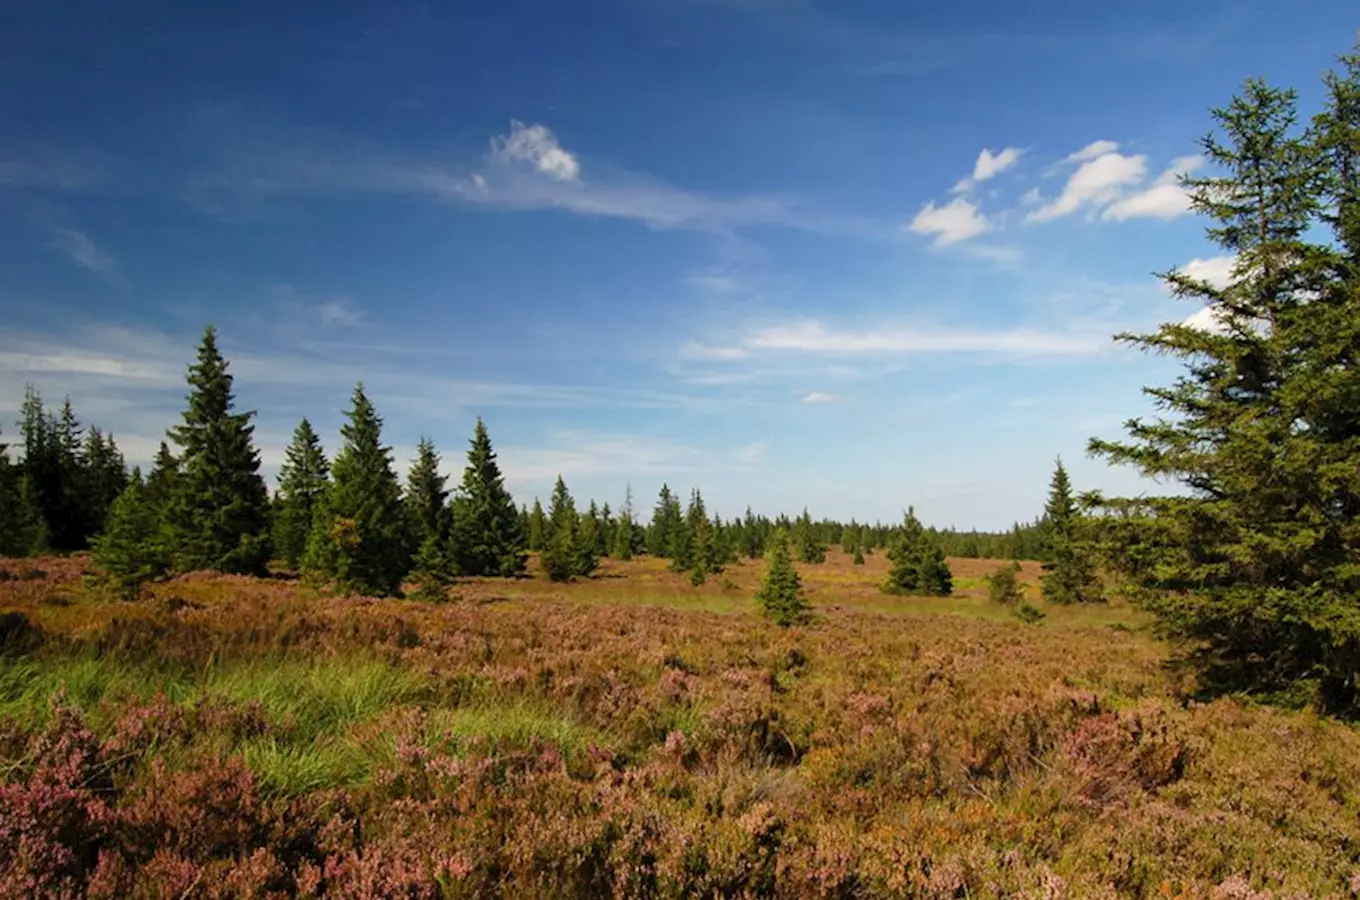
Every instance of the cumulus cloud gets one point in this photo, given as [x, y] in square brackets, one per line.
[957, 221]
[989, 165]
[1216, 271]
[1099, 180]
[1165, 199]
[536, 145]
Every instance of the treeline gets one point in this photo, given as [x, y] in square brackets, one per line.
[349, 522]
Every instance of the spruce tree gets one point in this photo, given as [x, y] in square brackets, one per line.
[808, 541]
[426, 499]
[219, 513]
[104, 477]
[1256, 566]
[566, 556]
[919, 566]
[753, 535]
[703, 550]
[1069, 566]
[623, 530]
[538, 528]
[665, 521]
[859, 555]
[22, 529]
[781, 596]
[303, 479]
[358, 540]
[163, 480]
[130, 550]
[491, 542]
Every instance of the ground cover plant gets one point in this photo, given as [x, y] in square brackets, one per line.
[633, 735]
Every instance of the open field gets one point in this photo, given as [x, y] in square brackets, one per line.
[633, 736]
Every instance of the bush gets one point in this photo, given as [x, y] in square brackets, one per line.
[1003, 585]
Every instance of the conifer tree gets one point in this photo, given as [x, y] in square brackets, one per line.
[491, 541]
[538, 527]
[809, 543]
[587, 542]
[623, 530]
[433, 569]
[219, 513]
[358, 540]
[1261, 553]
[22, 530]
[703, 551]
[665, 521]
[130, 550]
[919, 565]
[1069, 566]
[426, 498]
[303, 479]
[781, 596]
[105, 476]
[848, 535]
[859, 555]
[163, 480]
[752, 535]
[566, 556]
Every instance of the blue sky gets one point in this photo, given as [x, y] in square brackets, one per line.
[852, 256]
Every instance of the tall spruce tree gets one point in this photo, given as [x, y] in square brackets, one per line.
[219, 513]
[358, 540]
[426, 500]
[666, 520]
[1069, 563]
[491, 542]
[22, 530]
[809, 543]
[703, 549]
[303, 479]
[105, 476]
[781, 596]
[1256, 567]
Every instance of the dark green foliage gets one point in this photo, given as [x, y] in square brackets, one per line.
[358, 541]
[811, 548]
[859, 555]
[1069, 561]
[567, 555]
[433, 569]
[667, 521]
[163, 480]
[219, 512]
[754, 535]
[538, 527]
[130, 551]
[303, 479]
[1003, 585]
[781, 595]
[490, 540]
[426, 498]
[429, 525]
[22, 529]
[1257, 565]
[72, 481]
[919, 565]
[703, 550]
[1028, 613]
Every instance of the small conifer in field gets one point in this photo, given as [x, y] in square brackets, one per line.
[491, 542]
[130, 550]
[919, 565]
[781, 595]
[1069, 564]
[1003, 585]
[859, 555]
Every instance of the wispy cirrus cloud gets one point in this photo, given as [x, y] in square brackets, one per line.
[80, 249]
[812, 336]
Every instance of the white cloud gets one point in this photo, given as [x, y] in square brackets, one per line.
[815, 337]
[1165, 199]
[1217, 271]
[1208, 319]
[1031, 197]
[338, 311]
[1097, 181]
[82, 251]
[989, 165]
[538, 146]
[818, 397]
[1091, 151]
[957, 221]
[694, 350]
